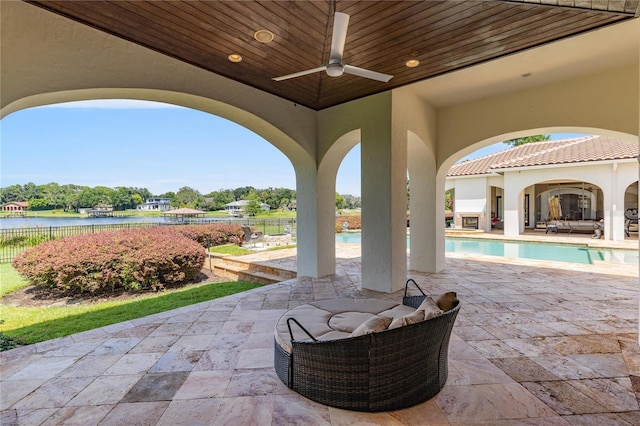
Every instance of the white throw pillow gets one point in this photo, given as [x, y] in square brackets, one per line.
[416, 316]
[373, 325]
[430, 308]
[349, 321]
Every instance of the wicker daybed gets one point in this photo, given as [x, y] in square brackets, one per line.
[378, 371]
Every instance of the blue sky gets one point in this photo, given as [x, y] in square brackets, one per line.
[151, 145]
[124, 143]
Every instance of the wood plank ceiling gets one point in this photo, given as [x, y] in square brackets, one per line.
[382, 35]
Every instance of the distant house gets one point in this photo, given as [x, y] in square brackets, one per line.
[155, 204]
[238, 208]
[15, 206]
[99, 210]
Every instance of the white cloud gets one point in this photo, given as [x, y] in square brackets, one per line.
[113, 104]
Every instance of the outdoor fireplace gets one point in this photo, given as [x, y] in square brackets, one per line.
[470, 222]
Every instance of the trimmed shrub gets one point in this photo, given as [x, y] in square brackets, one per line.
[353, 222]
[214, 234]
[129, 259]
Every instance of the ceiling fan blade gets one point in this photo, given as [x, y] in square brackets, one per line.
[361, 72]
[300, 74]
[339, 37]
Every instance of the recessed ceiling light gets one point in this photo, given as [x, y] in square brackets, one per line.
[234, 57]
[412, 63]
[263, 36]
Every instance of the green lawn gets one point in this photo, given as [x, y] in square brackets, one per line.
[10, 280]
[235, 250]
[231, 249]
[28, 325]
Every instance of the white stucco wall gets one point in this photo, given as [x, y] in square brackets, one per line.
[607, 101]
[567, 90]
[472, 198]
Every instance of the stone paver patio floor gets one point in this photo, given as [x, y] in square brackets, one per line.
[533, 344]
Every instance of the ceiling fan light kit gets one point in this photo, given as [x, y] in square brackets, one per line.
[335, 69]
[336, 66]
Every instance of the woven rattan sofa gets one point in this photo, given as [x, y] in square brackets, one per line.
[380, 371]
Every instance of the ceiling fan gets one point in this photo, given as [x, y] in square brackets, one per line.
[336, 67]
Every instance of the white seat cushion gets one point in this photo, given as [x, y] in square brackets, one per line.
[315, 320]
[338, 306]
[332, 319]
[349, 321]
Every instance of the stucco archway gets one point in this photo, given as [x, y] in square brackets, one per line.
[303, 164]
[327, 172]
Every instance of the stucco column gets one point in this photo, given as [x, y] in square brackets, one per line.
[384, 204]
[316, 256]
[613, 207]
[427, 214]
[617, 208]
[511, 200]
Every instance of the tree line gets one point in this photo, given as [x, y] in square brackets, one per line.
[73, 197]
[276, 198]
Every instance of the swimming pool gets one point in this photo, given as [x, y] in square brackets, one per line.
[523, 250]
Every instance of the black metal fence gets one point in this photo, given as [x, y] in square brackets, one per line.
[16, 240]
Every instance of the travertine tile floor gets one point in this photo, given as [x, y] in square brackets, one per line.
[535, 343]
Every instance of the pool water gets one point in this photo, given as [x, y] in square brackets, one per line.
[523, 250]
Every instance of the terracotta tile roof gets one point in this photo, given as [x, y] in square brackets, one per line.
[566, 151]
[24, 204]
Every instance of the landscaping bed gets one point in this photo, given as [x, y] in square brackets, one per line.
[35, 296]
[124, 260]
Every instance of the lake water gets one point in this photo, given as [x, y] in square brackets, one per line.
[523, 250]
[42, 222]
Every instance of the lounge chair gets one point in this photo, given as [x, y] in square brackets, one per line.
[251, 235]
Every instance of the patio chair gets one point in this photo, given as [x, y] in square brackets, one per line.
[252, 235]
[631, 223]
